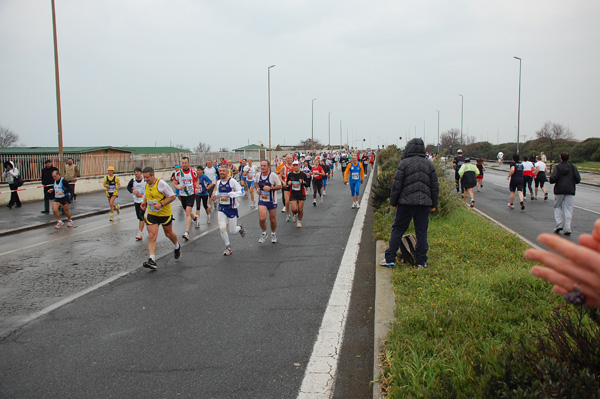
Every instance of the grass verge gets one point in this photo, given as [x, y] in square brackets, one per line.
[475, 302]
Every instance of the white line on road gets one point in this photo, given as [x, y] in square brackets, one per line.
[319, 377]
[585, 209]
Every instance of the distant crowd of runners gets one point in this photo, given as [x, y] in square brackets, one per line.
[217, 186]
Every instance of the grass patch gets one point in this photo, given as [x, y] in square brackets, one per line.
[588, 166]
[456, 319]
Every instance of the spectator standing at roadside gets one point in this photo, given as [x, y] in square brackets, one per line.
[414, 195]
[71, 174]
[564, 177]
[10, 176]
[47, 181]
[544, 159]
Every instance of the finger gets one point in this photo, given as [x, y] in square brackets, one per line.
[555, 278]
[583, 256]
[587, 240]
[562, 265]
[596, 232]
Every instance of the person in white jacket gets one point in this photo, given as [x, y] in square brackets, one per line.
[10, 175]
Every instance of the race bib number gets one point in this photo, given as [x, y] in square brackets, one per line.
[265, 196]
[111, 188]
[296, 186]
[355, 175]
[151, 205]
[224, 199]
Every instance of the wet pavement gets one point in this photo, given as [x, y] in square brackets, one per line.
[205, 325]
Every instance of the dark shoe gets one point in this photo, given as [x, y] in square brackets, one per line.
[150, 264]
[557, 230]
[567, 233]
[45, 212]
[9, 206]
[522, 206]
[18, 206]
[177, 252]
[546, 197]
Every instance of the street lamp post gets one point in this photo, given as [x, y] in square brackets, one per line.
[438, 140]
[269, 84]
[341, 135]
[329, 130]
[312, 129]
[462, 98]
[58, 107]
[519, 111]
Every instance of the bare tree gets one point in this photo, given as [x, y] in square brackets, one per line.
[552, 133]
[8, 138]
[450, 139]
[308, 144]
[202, 147]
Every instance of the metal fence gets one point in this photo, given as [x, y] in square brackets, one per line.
[94, 164]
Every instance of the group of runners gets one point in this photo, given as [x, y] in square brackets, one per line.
[524, 173]
[222, 187]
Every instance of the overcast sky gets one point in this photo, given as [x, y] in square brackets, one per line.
[146, 72]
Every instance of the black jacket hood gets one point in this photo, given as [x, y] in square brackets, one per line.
[414, 148]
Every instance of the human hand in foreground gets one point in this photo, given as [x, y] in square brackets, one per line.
[574, 269]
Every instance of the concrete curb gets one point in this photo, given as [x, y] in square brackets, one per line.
[385, 304]
[51, 222]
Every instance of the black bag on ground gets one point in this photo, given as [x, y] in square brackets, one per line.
[408, 246]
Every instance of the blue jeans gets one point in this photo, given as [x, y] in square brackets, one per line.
[404, 214]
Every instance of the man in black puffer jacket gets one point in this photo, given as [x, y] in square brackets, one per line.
[415, 193]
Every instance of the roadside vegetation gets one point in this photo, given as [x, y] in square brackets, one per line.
[475, 323]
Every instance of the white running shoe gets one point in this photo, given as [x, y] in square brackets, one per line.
[262, 238]
[138, 236]
[320, 199]
[299, 224]
[208, 219]
[273, 238]
[69, 223]
[294, 218]
[227, 251]
[186, 236]
[283, 210]
[59, 224]
[353, 205]
[197, 222]
[357, 205]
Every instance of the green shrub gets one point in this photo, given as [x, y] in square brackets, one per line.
[584, 150]
[387, 163]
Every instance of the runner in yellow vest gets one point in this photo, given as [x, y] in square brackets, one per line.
[157, 200]
[112, 183]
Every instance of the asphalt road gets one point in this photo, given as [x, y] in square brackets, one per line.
[203, 326]
[538, 216]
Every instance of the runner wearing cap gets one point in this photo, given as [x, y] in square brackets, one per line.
[61, 189]
[213, 175]
[137, 187]
[249, 173]
[266, 184]
[112, 183]
[205, 185]
[456, 164]
[285, 169]
[186, 180]
[158, 196]
[297, 183]
[226, 193]
[355, 174]
[317, 181]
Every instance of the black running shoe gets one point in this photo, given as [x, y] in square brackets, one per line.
[557, 230]
[177, 252]
[242, 231]
[150, 264]
[522, 206]
[567, 233]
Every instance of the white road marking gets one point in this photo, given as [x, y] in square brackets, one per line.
[585, 209]
[319, 377]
